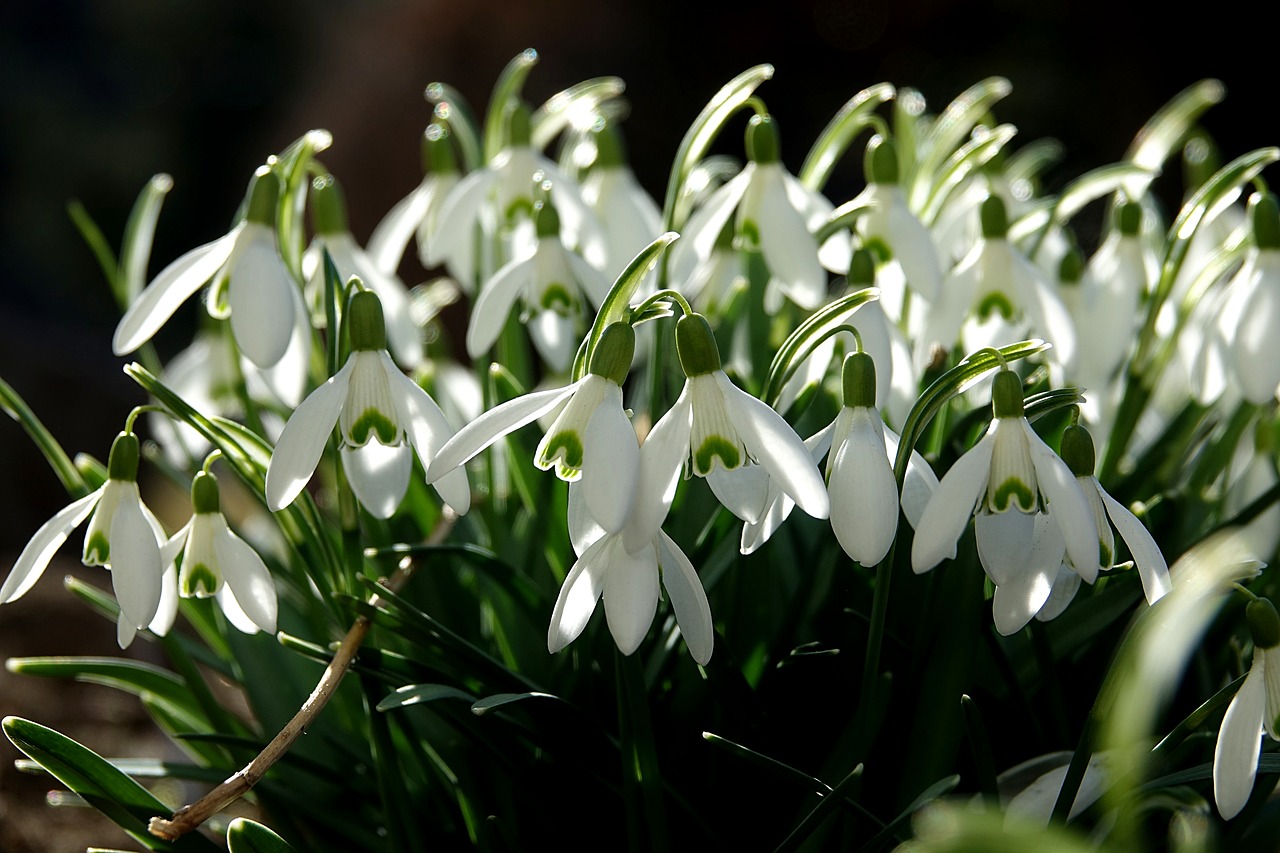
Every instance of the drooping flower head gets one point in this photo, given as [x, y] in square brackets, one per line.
[1255, 708]
[383, 417]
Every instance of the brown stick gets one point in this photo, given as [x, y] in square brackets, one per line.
[237, 785]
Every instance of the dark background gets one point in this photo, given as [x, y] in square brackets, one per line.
[95, 97]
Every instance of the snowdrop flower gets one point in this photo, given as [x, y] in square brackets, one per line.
[1007, 478]
[773, 213]
[218, 563]
[380, 413]
[416, 213]
[1250, 312]
[1256, 707]
[260, 294]
[550, 282]
[631, 217]
[995, 295]
[733, 439]
[123, 536]
[717, 279]
[590, 441]
[332, 234]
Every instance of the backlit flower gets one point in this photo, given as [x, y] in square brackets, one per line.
[1255, 708]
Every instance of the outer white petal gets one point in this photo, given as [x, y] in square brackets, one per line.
[235, 614]
[260, 296]
[919, 484]
[584, 530]
[774, 444]
[554, 337]
[914, 251]
[497, 295]
[948, 312]
[379, 475]
[457, 216]
[427, 429]
[864, 493]
[578, 596]
[702, 229]
[1146, 553]
[1235, 757]
[136, 573]
[1021, 598]
[40, 550]
[688, 599]
[387, 242]
[493, 424]
[590, 279]
[298, 451]
[287, 378]
[789, 249]
[610, 462]
[247, 577]
[744, 491]
[1256, 353]
[777, 505]
[1049, 316]
[1004, 541]
[167, 609]
[662, 457]
[1067, 504]
[1065, 586]
[173, 286]
[631, 595]
[953, 502]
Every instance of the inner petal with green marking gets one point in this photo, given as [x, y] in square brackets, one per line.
[1012, 484]
[564, 450]
[1011, 494]
[713, 436]
[556, 297]
[97, 549]
[369, 411]
[199, 581]
[994, 302]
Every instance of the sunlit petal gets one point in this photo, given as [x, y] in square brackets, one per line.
[688, 599]
[379, 475]
[953, 502]
[631, 595]
[1235, 757]
[44, 544]
[303, 440]
[578, 595]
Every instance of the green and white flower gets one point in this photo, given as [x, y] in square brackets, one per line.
[591, 440]
[1255, 708]
[610, 189]
[383, 417]
[218, 563]
[260, 294]
[123, 536]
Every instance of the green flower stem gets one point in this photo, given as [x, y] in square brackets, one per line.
[15, 407]
[663, 296]
[641, 779]
[981, 745]
[191, 816]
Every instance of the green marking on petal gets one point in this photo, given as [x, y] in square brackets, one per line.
[199, 581]
[372, 423]
[97, 550]
[1105, 558]
[556, 297]
[1012, 493]
[713, 446]
[750, 232]
[879, 250]
[995, 303]
[568, 447]
[521, 208]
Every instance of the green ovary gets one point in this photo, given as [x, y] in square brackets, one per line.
[995, 303]
[372, 423]
[1012, 492]
[199, 581]
[97, 550]
[712, 447]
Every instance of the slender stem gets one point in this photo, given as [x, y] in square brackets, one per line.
[642, 781]
[193, 815]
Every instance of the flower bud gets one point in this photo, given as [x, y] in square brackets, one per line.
[547, 221]
[1077, 450]
[862, 269]
[1129, 218]
[1264, 623]
[1264, 215]
[264, 196]
[995, 219]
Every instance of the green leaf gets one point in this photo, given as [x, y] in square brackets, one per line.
[247, 836]
[1165, 131]
[15, 407]
[416, 694]
[836, 137]
[88, 774]
[499, 700]
[966, 159]
[505, 90]
[562, 107]
[808, 335]
[948, 131]
[98, 245]
[139, 231]
[292, 165]
[130, 676]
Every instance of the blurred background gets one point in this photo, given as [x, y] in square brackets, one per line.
[96, 96]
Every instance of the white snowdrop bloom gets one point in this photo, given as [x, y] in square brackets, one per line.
[498, 199]
[716, 279]
[1250, 313]
[550, 282]
[734, 439]
[994, 296]
[332, 235]
[123, 536]
[1007, 478]
[415, 214]
[1255, 708]
[774, 214]
[630, 217]
[260, 294]
[383, 417]
[218, 563]
[591, 440]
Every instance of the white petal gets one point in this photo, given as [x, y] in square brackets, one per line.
[554, 337]
[136, 573]
[287, 378]
[489, 314]
[173, 286]
[913, 249]
[493, 424]
[40, 550]
[1235, 757]
[688, 599]
[235, 614]
[789, 249]
[610, 462]
[1256, 349]
[1065, 586]
[1067, 504]
[379, 475]
[590, 279]
[864, 493]
[403, 335]
[578, 595]
[1019, 599]
[456, 219]
[260, 296]
[774, 444]
[298, 451]
[427, 430]
[744, 491]
[387, 242]
[124, 631]
[631, 595]
[953, 502]
[777, 505]
[662, 458]
[584, 530]
[1004, 541]
[704, 227]
[1146, 553]
[919, 484]
[248, 579]
[167, 609]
